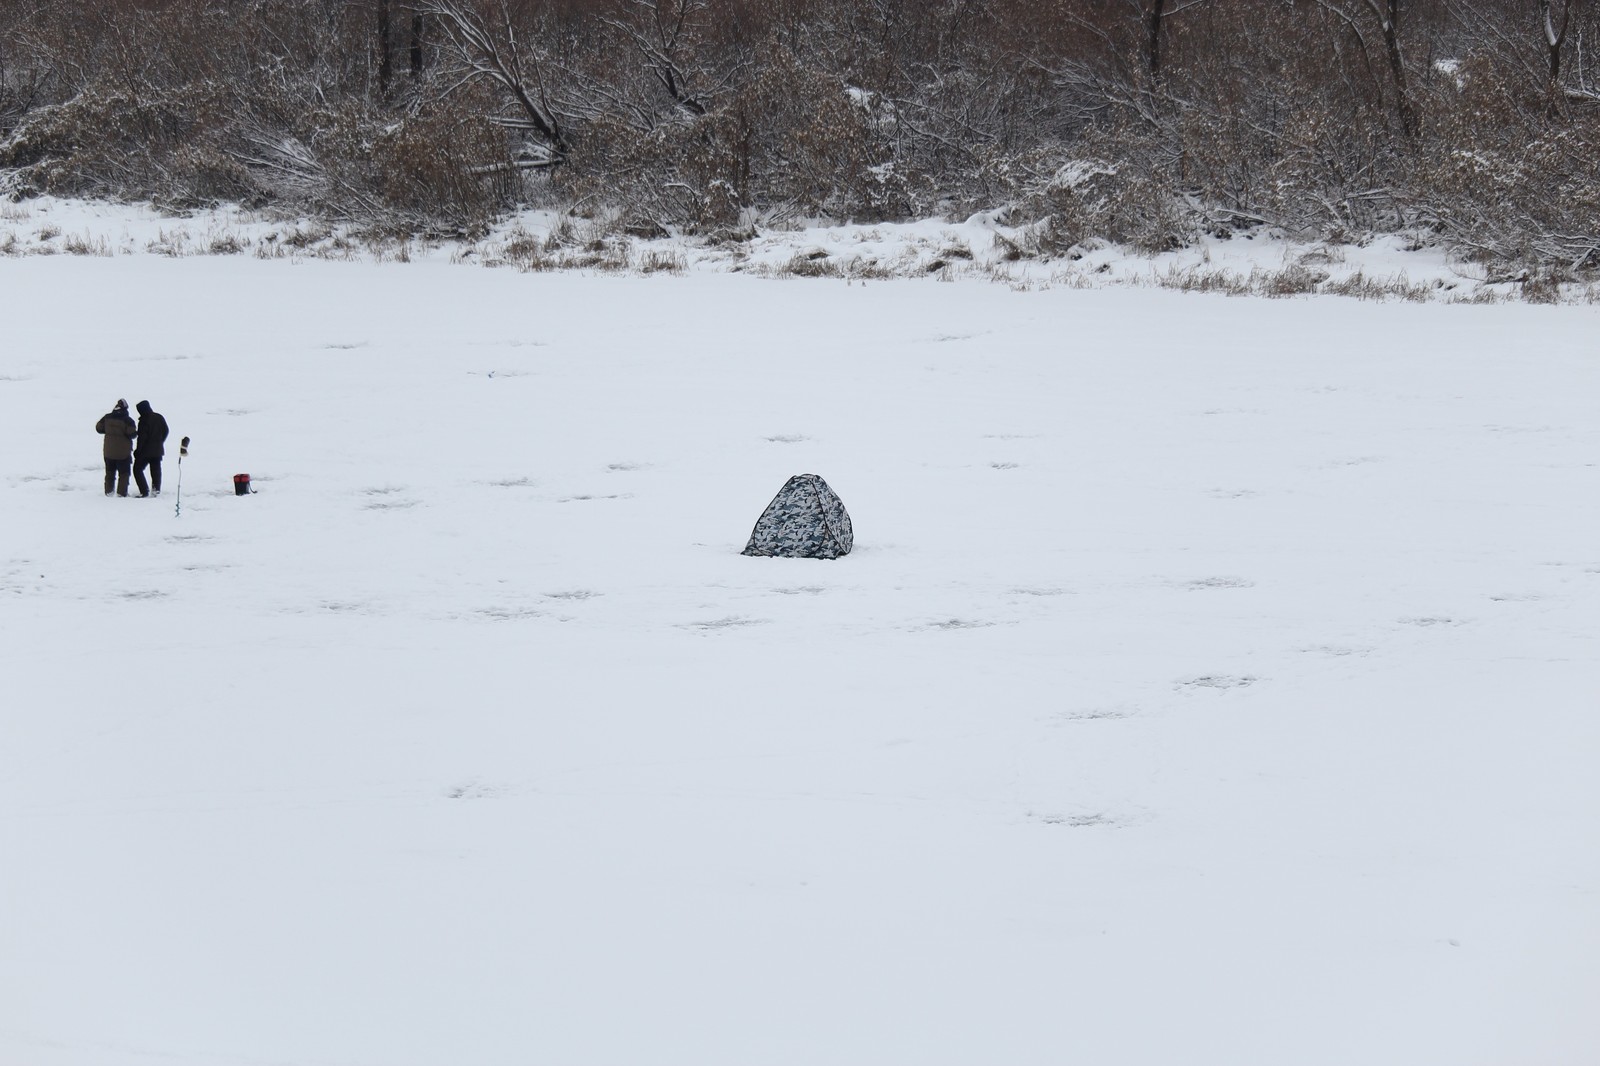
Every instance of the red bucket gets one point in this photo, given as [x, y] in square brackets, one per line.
[241, 484]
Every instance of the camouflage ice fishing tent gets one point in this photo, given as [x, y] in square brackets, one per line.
[805, 520]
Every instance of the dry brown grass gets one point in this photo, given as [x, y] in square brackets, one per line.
[85, 244]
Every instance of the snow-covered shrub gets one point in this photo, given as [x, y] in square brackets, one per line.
[1511, 176]
[107, 141]
[791, 135]
[447, 164]
[1097, 198]
[680, 174]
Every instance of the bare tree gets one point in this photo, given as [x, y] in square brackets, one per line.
[1156, 13]
[418, 31]
[665, 34]
[484, 43]
[1384, 15]
[25, 71]
[385, 28]
[1554, 18]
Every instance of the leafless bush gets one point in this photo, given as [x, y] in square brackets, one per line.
[659, 262]
[446, 164]
[956, 249]
[1508, 184]
[1545, 286]
[519, 244]
[85, 244]
[301, 239]
[1095, 197]
[173, 244]
[1294, 280]
[1009, 250]
[1223, 282]
[810, 265]
[1363, 287]
[1477, 297]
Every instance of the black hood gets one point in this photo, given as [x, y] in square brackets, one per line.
[143, 407]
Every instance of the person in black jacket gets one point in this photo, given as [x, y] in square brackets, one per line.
[118, 429]
[149, 450]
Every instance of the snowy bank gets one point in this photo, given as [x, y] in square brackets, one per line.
[1258, 262]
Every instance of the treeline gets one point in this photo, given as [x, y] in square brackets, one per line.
[1141, 121]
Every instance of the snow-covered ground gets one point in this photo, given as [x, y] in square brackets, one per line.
[1214, 682]
[1258, 262]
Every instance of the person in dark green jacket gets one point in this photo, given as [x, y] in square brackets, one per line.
[119, 429]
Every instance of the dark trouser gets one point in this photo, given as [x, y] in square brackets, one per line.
[117, 473]
[155, 475]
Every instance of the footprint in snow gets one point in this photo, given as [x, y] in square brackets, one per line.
[733, 622]
[1089, 819]
[1335, 651]
[1218, 681]
[474, 790]
[507, 614]
[1093, 714]
[1220, 583]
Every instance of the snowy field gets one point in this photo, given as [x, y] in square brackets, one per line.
[1214, 682]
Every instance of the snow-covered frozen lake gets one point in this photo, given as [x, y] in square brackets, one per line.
[1215, 681]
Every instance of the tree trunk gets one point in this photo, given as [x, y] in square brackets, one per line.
[385, 46]
[1390, 19]
[1553, 16]
[1152, 45]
